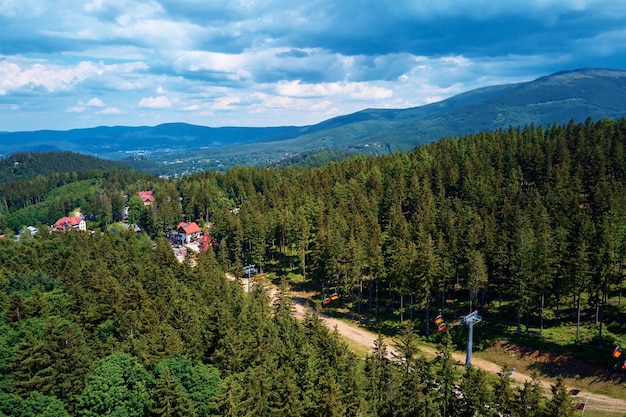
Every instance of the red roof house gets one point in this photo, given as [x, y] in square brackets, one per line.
[146, 197]
[69, 223]
[185, 232]
[188, 228]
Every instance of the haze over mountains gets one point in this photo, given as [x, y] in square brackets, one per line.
[570, 95]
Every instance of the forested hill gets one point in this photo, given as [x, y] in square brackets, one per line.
[41, 187]
[26, 165]
[525, 225]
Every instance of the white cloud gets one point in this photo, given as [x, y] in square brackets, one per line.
[54, 78]
[223, 103]
[95, 102]
[110, 110]
[81, 106]
[355, 90]
[160, 102]
[234, 64]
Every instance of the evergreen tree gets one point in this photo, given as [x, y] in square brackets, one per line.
[529, 399]
[199, 382]
[503, 392]
[476, 394]
[445, 377]
[169, 399]
[561, 404]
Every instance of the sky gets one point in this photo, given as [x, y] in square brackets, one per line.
[83, 63]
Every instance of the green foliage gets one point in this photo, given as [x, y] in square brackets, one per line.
[199, 383]
[170, 399]
[53, 363]
[524, 225]
[23, 166]
[118, 386]
[35, 405]
[29, 281]
[561, 404]
[135, 209]
[315, 159]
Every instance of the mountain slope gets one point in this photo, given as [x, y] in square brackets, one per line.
[26, 165]
[558, 98]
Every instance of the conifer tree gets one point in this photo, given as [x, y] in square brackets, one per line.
[561, 403]
[503, 392]
[476, 394]
[445, 377]
[169, 399]
[529, 399]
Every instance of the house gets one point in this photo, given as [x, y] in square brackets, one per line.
[190, 231]
[146, 197]
[185, 233]
[68, 223]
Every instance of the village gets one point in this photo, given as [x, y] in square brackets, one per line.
[187, 239]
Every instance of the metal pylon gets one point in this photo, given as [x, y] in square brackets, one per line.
[470, 320]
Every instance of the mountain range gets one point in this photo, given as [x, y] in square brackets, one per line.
[178, 147]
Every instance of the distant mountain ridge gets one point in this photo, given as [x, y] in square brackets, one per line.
[103, 139]
[558, 98]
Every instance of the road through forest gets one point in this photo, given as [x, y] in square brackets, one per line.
[365, 338]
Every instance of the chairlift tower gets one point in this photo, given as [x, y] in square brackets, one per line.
[470, 320]
[248, 270]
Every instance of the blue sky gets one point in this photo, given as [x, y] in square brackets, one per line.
[82, 63]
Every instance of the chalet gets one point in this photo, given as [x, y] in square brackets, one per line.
[146, 197]
[185, 233]
[68, 223]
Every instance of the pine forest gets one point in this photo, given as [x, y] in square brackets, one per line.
[525, 226]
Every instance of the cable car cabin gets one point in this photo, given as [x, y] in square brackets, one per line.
[326, 301]
[617, 352]
[438, 320]
[442, 327]
[334, 297]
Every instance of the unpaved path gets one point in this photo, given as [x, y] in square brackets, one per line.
[365, 338]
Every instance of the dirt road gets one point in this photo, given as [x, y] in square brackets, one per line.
[365, 338]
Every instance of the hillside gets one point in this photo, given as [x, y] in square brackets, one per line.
[26, 165]
[179, 148]
[40, 187]
[558, 98]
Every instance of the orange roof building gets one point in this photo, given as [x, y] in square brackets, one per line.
[185, 233]
[68, 223]
[188, 228]
[146, 197]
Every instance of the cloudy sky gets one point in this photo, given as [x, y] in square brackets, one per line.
[84, 63]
